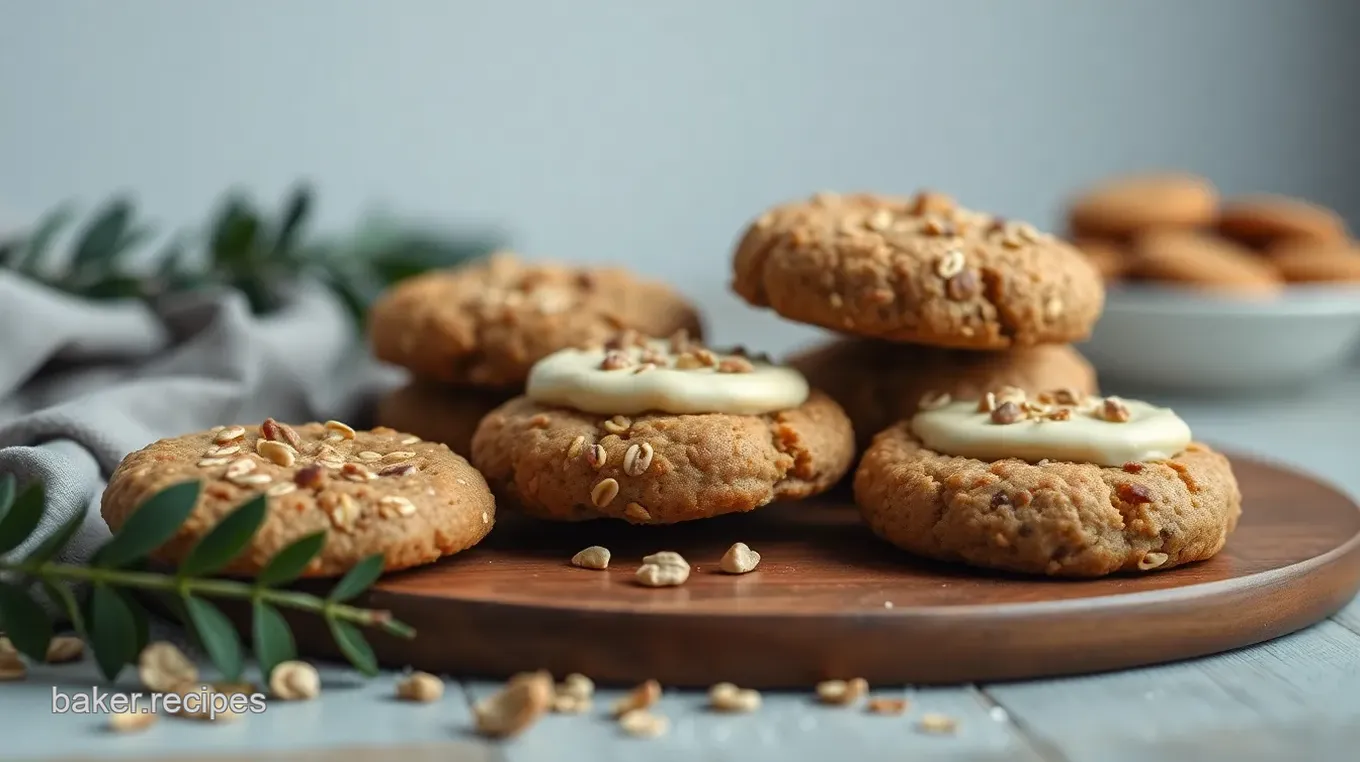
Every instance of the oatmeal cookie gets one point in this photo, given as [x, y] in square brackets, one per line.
[440, 412]
[1203, 261]
[656, 436]
[1264, 220]
[880, 383]
[486, 323]
[920, 269]
[1318, 263]
[1062, 519]
[378, 491]
[1128, 205]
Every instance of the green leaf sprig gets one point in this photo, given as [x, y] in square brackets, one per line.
[115, 622]
[241, 248]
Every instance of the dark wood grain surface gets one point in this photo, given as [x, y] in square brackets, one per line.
[830, 600]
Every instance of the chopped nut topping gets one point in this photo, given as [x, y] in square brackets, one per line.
[680, 342]
[1007, 413]
[564, 704]
[963, 286]
[619, 424]
[641, 697]
[211, 462]
[1067, 397]
[409, 441]
[651, 356]
[341, 428]
[930, 202]
[706, 357]
[239, 467]
[643, 724]
[540, 421]
[636, 512]
[281, 489]
[398, 469]
[688, 361]
[637, 459]
[1152, 560]
[987, 404]
[369, 455]
[596, 456]
[1133, 467]
[280, 432]
[593, 557]
[294, 681]
[1053, 308]
[735, 365]
[251, 480]
[1000, 499]
[937, 226]
[64, 648]
[1037, 409]
[392, 506]
[228, 435]
[515, 707]
[664, 569]
[162, 667]
[420, 686]
[950, 264]
[937, 723]
[220, 452]
[1134, 493]
[1061, 414]
[603, 494]
[624, 339]
[277, 452]
[1011, 394]
[726, 697]
[398, 455]
[739, 559]
[842, 692]
[576, 446]
[1115, 411]
[616, 360]
[309, 476]
[887, 705]
[934, 401]
[357, 473]
[879, 221]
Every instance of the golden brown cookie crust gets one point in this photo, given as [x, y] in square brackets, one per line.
[1112, 260]
[1057, 519]
[1128, 205]
[660, 469]
[368, 503]
[916, 269]
[440, 412]
[880, 383]
[1203, 261]
[487, 323]
[1318, 263]
[1265, 220]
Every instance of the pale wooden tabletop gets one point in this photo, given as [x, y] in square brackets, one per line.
[1296, 698]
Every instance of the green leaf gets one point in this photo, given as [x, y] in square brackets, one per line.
[217, 635]
[7, 485]
[26, 623]
[114, 286]
[9, 249]
[50, 547]
[61, 595]
[22, 518]
[273, 640]
[149, 526]
[295, 213]
[233, 237]
[290, 562]
[41, 240]
[171, 259]
[113, 631]
[140, 618]
[98, 244]
[357, 579]
[353, 646]
[226, 540]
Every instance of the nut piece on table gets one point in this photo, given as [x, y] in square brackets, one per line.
[593, 557]
[933, 722]
[420, 686]
[664, 569]
[65, 648]
[516, 706]
[294, 681]
[132, 720]
[641, 723]
[574, 694]
[842, 692]
[640, 697]
[726, 697]
[163, 668]
[739, 559]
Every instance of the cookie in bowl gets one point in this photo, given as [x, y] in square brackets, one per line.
[661, 431]
[379, 491]
[920, 269]
[1057, 485]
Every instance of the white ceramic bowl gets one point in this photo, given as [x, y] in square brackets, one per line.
[1178, 339]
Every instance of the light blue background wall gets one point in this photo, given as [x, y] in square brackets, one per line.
[648, 132]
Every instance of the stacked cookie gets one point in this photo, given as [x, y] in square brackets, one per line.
[1174, 228]
[469, 336]
[932, 297]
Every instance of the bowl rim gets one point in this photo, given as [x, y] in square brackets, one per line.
[1296, 300]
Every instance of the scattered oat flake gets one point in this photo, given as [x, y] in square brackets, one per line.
[933, 722]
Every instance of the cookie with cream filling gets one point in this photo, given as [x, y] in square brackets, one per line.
[658, 432]
[1059, 485]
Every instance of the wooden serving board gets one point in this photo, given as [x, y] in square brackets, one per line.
[831, 600]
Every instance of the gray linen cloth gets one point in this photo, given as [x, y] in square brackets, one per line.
[84, 383]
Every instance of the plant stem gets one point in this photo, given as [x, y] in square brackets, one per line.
[214, 588]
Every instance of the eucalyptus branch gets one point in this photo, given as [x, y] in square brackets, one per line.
[116, 623]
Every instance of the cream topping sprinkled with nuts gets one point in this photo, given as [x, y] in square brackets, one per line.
[664, 377]
[1105, 431]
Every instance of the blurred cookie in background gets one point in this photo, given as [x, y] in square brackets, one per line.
[1122, 207]
[1111, 259]
[1202, 260]
[1318, 263]
[1263, 221]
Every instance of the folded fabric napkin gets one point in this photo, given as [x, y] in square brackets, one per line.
[84, 383]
